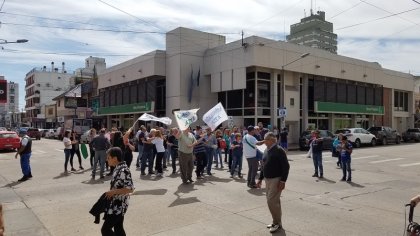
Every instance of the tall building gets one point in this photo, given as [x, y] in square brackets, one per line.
[42, 85]
[13, 97]
[314, 31]
[11, 102]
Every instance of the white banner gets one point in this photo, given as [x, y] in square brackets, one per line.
[147, 117]
[185, 118]
[215, 116]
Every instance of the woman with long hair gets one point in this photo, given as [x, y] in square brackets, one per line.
[75, 150]
[128, 140]
[67, 149]
[157, 140]
[116, 141]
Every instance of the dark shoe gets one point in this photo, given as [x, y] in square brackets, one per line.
[24, 178]
[102, 177]
[93, 177]
[184, 182]
[30, 175]
[315, 175]
[72, 169]
[343, 179]
[252, 186]
[240, 175]
[321, 176]
[349, 180]
[81, 168]
[151, 173]
[191, 181]
[208, 173]
[143, 173]
[274, 228]
[174, 172]
[109, 174]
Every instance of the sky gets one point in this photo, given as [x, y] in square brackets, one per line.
[69, 31]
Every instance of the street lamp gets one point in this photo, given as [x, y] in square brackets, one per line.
[283, 86]
[4, 41]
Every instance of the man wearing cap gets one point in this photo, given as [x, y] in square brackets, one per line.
[186, 142]
[250, 153]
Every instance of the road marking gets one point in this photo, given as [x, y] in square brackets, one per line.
[411, 164]
[365, 157]
[386, 160]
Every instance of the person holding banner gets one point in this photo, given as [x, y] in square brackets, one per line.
[250, 153]
[148, 156]
[211, 145]
[173, 147]
[200, 152]
[186, 142]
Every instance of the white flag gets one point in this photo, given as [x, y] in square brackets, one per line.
[215, 116]
[185, 118]
[147, 117]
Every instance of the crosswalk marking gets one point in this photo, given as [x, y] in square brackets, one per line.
[411, 164]
[365, 157]
[386, 160]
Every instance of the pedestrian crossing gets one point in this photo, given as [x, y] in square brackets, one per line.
[368, 159]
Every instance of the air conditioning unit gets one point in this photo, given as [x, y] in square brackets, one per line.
[60, 119]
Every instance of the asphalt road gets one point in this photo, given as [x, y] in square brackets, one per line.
[384, 179]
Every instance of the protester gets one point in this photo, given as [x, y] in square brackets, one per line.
[129, 147]
[211, 146]
[283, 139]
[140, 135]
[275, 171]
[173, 146]
[237, 152]
[100, 144]
[147, 156]
[221, 145]
[121, 187]
[200, 151]
[157, 140]
[336, 148]
[75, 150]
[345, 153]
[25, 152]
[228, 154]
[92, 134]
[250, 153]
[67, 150]
[317, 146]
[186, 142]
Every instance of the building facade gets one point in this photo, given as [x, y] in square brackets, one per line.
[42, 85]
[198, 69]
[314, 31]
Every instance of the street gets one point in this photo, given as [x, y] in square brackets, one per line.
[51, 203]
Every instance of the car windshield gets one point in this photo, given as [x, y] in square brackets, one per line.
[342, 131]
[8, 135]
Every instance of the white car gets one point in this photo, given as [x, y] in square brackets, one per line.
[50, 133]
[358, 136]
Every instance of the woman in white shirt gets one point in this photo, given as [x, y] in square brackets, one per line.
[157, 140]
[67, 149]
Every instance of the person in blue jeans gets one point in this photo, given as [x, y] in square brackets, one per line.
[237, 152]
[345, 153]
[25, 152]
[316, 144]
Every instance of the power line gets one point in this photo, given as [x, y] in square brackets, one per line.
[83, 29]
[348, 9]
[1, 7]
[380, 18]
[68, 53]
[51, 19]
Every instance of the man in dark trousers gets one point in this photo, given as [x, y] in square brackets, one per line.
[25, 152]
[317, 143]
[275, 171]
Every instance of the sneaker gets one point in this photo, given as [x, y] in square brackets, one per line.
[270, 225]
[200, 177]
[174, 172]
[315, 175]
[240, 175]
[81, 168]
[102, 177]
[343, 179]
[159, 175]
[231, 176]
[349, 180]
[321, 176]
[274, 228]
[72, 169]
[93, 177]
[221, 167]
[143, 173]
[151, 173]
[208, 173]
[191, 181]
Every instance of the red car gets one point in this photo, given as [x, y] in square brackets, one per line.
[9, 140]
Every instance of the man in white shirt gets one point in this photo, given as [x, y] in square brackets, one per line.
[250, 153]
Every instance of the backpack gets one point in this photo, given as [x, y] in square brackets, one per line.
[222, 144]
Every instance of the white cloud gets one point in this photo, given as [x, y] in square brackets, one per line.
[393, 41]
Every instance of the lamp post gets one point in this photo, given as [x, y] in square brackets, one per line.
[4, 41]
[283, 86]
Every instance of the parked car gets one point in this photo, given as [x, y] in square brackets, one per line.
[9, 140]
[50, 133]
[411, 134]
[328, 139]
[385, 135]
[59, 133]
[43, 131]
[3, 129]
[31, 132]
[358, 136]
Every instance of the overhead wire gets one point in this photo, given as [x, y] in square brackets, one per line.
[1, 7]
[348, 9]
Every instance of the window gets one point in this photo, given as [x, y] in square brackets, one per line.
[222, 98]
[400, 101]
[351, 94]
[331, 91]
[319, 90]
[133, 94]
[234, 99]
[160, 100]
[361, 94]
[263, 93]
[126, 95]
[249, 97]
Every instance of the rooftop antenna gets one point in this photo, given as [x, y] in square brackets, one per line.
[304, 12]
[311, 7]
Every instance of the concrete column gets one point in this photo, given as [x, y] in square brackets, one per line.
[304, 102]
[108, 122]
[274, 103]
[256, 99]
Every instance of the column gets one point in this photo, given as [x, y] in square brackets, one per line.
[304, 102]
[273, 99]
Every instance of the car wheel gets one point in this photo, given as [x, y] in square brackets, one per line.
[398, 140]
[357, 143]
[373, 142]
[384, 141]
